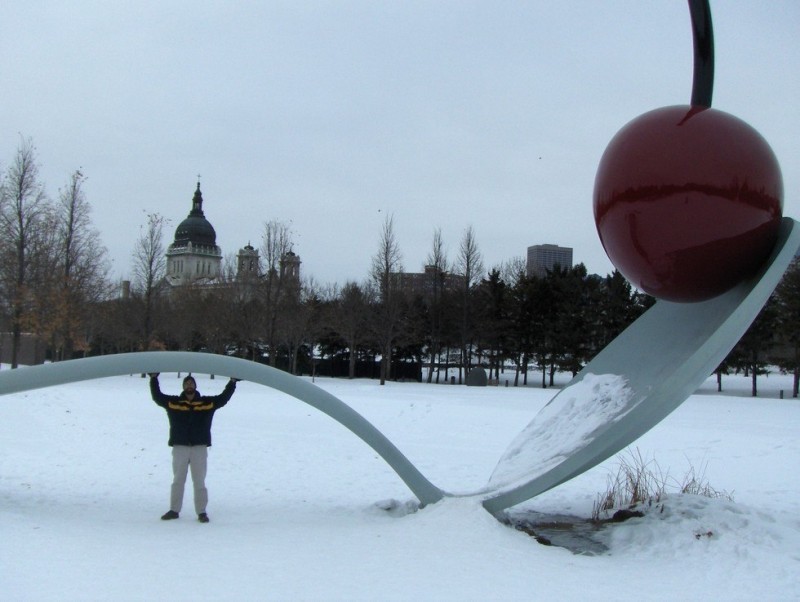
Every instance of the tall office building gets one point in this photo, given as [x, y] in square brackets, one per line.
[545, 257]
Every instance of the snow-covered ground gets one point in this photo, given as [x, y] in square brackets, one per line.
[297, 502]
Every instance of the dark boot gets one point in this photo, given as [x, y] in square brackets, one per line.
[171, 515]
[202, 517]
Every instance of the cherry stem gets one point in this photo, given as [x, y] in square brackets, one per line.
[703, 37]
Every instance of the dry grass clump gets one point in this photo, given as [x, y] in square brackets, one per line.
[641, 483]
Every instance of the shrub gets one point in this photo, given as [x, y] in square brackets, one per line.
[642, 482]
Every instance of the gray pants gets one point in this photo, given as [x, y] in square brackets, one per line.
[183, 458]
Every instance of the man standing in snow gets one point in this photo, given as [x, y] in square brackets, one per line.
[190, 415]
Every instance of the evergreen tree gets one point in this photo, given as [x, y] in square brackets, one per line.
[787, 297]
[753, 349]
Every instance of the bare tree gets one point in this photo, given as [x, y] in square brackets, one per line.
[113, 323]
[23, 211]
[439, 266]
[387, 260]
[276, 244]
[386, 267]
[351, 319]
[243, 306]
[300, 327]
[513, 270]
[149, 267]
[81, 263]
[469, 265]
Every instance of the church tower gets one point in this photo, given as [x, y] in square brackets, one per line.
[194, 256]
[247, 264]
[290, 267]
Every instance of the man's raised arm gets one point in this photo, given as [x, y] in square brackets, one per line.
[155, 390]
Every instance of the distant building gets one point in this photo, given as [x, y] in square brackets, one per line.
[247, 264]
[542, 258]
[194, 257]
[290, 267]
[424, 283]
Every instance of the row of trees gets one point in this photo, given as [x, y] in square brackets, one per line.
[53, 267]
[54, 283]
[774, 337]
[498, 318]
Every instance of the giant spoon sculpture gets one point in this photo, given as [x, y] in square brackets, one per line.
[688, 205]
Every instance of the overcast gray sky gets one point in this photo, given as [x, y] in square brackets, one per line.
[331, 114]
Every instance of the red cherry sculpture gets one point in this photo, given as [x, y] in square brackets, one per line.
[688, 202]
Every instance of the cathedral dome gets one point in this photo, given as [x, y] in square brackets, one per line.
[195, 229]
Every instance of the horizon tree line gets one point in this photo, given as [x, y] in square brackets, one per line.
[54, 283]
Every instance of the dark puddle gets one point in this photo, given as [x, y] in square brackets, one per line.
[576, 534]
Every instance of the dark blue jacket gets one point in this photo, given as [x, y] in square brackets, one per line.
[190, 421]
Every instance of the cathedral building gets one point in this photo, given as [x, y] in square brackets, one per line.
[194, 258]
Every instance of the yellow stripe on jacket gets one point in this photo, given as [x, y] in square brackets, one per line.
[188, 406]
